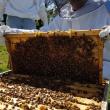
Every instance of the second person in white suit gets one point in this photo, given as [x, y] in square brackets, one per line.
[23, 13]
[85, 15]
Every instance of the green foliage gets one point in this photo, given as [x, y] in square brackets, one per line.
[3, 58]
[52, 14]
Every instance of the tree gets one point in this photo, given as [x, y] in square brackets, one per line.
[53, 7]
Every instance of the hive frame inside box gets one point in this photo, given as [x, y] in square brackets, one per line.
[12, 39]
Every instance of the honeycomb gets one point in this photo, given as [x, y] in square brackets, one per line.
[25, 92]
[60, 55]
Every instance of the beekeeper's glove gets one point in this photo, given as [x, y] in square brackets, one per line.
[105, 33]
[3, 29]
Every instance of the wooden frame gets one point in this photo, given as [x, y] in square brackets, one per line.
[13, 38]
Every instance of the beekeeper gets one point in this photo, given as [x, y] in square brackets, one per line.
[23, 13]
[86, 14]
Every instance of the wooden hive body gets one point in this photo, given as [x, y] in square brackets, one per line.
[61, 70]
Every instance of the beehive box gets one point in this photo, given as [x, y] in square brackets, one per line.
[59, 70]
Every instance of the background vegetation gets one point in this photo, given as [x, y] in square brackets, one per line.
[3, 58]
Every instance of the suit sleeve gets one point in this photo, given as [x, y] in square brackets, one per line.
[52, 26]
[2, 8]
[107, 5]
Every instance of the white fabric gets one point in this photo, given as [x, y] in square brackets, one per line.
[7, 30]
[2, 30]
[86, 21]
[106, 70]
[93, 20]
[89, 6]
[2, 5]
[105, 33]
[24, 9]
[1, 23]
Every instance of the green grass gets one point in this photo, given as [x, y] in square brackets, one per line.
[3, 58]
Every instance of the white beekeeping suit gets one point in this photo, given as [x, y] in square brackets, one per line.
[32, 9]
[2, 7]
[93, 15]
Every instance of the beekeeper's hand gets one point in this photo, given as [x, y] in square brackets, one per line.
[3, 29]
[6, 29]
[105, 33]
